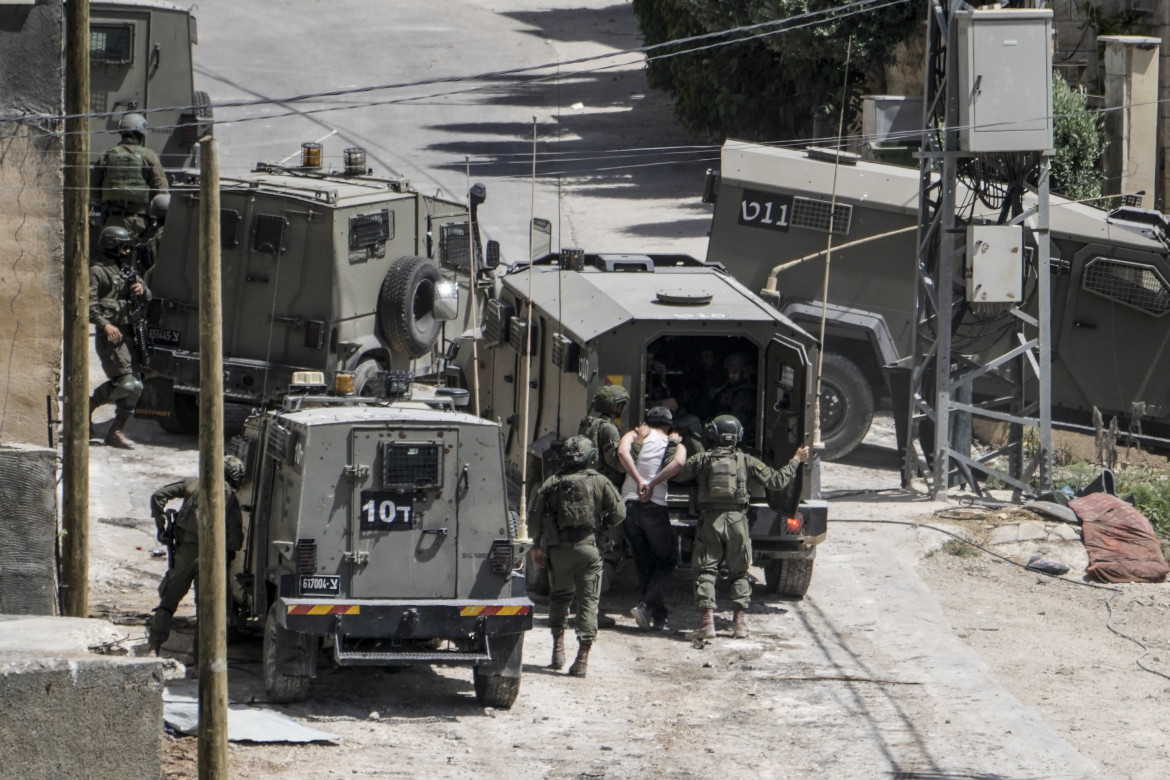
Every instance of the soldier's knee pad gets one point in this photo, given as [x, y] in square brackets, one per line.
[127, 387]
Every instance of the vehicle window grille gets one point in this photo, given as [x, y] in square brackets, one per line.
[497, 314]
[268, 233]
[367, 230]
[1136, 285]
[229, 228]
[99, 101]
[814, 215]
[411, 466]
[277, 446]
[518, 335]
[111, 44]
[453, 247]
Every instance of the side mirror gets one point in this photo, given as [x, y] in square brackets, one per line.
[446, 301]
[492, 256]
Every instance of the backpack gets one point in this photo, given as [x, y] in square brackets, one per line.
[124, 182]
[723, 479]
[572, 501]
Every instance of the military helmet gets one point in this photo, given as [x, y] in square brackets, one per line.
[114, 239]
[724, 431]
[579, 452]
[132, 123]
[159, 205]
[739, 361]
[658, 416]
[233, 471]
[610, 399]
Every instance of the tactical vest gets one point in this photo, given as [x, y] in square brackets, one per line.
[123, 182]
[591, 426]
[572, 501]
[723, 480]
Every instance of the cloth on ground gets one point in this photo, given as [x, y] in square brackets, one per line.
[1121, 543]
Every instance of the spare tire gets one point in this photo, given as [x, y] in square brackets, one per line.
[406, 306]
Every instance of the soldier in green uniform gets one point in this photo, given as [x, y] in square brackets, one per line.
[114, 286]
[184, 536]
[568, 512]
[127, 177]
[724, 476]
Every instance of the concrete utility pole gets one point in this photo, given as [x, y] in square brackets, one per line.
[75, 441]
[212, 596]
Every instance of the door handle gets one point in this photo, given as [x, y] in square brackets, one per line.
[436, 531]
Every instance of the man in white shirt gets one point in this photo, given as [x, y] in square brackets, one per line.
[650, 457]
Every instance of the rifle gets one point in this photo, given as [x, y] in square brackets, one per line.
[140, 330]
[167, 536]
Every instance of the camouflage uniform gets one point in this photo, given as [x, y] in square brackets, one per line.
[608, 403]
[124, 181]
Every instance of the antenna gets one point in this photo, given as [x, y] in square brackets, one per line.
[474, 276]
[522, 531]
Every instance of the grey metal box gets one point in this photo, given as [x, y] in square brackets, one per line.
[1005, 80]
[994, 263]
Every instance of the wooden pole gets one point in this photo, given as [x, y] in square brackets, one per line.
[75, 441]
[212, 593]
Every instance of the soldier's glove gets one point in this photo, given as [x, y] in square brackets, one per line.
[161, 532]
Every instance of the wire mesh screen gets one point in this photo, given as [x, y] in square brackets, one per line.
[111, 44]
[268, 233]
[411, 466]
[814, 215]
[1138, 286]
[370, 229]
[454, 245]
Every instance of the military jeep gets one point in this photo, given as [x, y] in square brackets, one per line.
[377, 531]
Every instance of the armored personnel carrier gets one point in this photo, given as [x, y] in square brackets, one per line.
[664, 327]
[324, 270]
[377, 532]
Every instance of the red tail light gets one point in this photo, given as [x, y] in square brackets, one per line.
[794, 524]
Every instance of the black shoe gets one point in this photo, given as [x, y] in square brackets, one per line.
[660, 624]
[605, 621]
[641, 616]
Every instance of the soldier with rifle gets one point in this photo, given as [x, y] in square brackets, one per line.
[117, 309]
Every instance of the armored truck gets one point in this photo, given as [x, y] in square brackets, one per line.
[325, 270]
[1110, 294]
[377, 531]
[140, 59]
[664, 327]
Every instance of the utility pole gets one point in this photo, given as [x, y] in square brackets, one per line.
[983, 297]
[75, 441]
[212, 596]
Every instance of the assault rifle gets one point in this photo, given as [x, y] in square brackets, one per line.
[166, 535]
[138, 317]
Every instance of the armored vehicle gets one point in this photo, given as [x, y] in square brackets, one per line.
[140, 60]
[1110, 294]
[321, 270]
[662, 326]
[377, 531]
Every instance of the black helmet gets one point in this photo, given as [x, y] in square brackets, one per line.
[724, 431]
[659, 416]
[159, 205]
[233, 471]
[610, 399]
[114, 239]
[579, 452]
[133, 124]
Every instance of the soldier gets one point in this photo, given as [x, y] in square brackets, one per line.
[183, 539]
[115, 292]
[721, 537]
[650, 458]
[127, 177]
[149, 241]
[737, 396]
[568, 512]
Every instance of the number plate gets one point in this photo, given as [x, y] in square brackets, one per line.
[765, 210]
[320, 585]
[164, 336]
[384, 510]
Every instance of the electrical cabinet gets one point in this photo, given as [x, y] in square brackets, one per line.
[1005, 80]
[995, 263]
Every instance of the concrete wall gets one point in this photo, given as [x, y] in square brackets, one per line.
[28, 530]
[31, 221]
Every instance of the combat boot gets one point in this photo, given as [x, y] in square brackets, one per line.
[114, 436]
[558, 655]
[706, 629]
[581, 665]
[741, 629]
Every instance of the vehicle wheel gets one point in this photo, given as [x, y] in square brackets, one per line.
[846, 406]
[281, 687]
[365, 379]
[789, 576]
[203, 113]
[494, 690]
[406, 306]
[185, 419]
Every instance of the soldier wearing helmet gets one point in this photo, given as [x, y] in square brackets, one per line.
[114, 289]
[737, 396]
[725, 476]
[568, 513]
[182, 538]
[127, 177]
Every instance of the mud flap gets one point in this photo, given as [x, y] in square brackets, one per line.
[507, 654]
[157, 399]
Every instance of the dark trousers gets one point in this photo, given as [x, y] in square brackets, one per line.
[652, 543]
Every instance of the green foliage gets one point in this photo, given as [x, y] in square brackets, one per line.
[1149, 488]
[782, 86]
[959, 549]
[1079, 143]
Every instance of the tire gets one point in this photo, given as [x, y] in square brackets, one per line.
[281, 688]
[846, 406]
[789, 577]
[406, 306]
[185, 420]
[203, 113]
[493, 690]
[365, 379]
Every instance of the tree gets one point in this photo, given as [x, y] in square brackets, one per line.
[1079, 143]
[782, 86]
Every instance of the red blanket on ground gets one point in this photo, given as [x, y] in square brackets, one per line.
[1121, 542]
